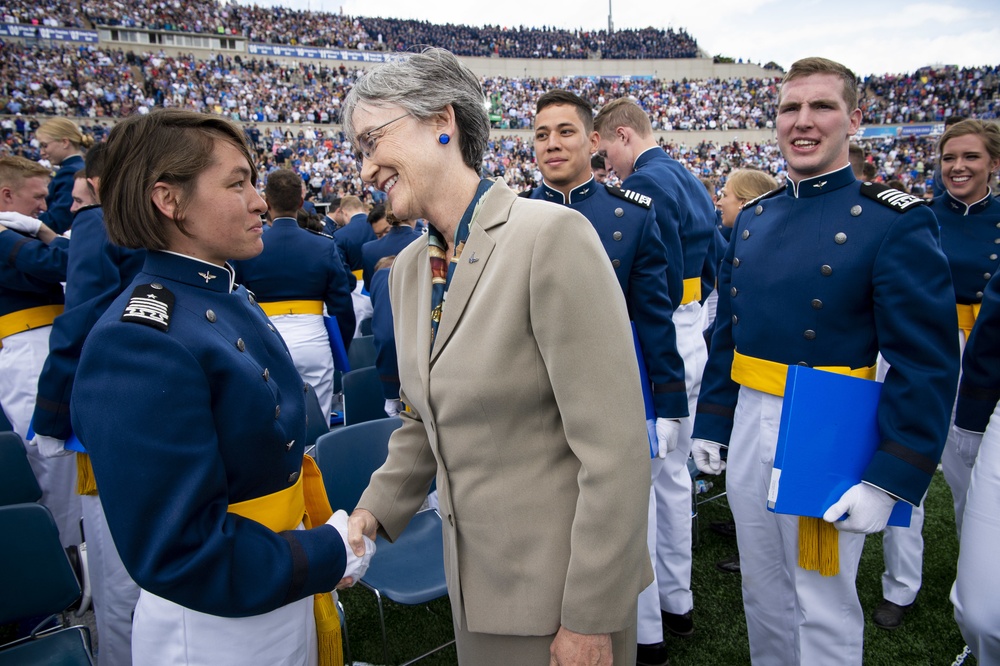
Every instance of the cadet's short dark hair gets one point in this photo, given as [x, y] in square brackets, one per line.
[283, 191]
[166, 145]
[377, 213]
[564, 97]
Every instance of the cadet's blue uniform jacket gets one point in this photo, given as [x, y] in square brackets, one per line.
[392, 243]
[822, 275]
[58, 216]
[98, 272]
[631, 238]
[702, 215]
[187, 401]
[298, 264]
[970, 238]
[980, 387]
[30, 271]
[659, 176]
[351, 237]
[383, 335]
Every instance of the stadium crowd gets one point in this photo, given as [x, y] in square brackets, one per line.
[281, 25]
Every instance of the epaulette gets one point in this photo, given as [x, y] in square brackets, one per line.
[525, 194]
[150, 304]
[891, 197]
[766, 195]
[630, 195]
[320, 233]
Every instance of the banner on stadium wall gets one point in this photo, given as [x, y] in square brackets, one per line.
[280, 50]
[883, 131]
[45, 32]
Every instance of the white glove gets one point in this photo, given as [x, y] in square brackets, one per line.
[967, 444]
[393, 407]
[667, 431]
[50, 447]
[22, 223]
[707, 456]
[867, 509]
[356, 566]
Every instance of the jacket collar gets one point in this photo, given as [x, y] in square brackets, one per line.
[963, 208]
[820, 185]
[576, 195]
[190, 271]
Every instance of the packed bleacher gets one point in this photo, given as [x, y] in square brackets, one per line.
[281, 25]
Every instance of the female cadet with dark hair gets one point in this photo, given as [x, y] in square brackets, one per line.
[194, 417]
[516, 359]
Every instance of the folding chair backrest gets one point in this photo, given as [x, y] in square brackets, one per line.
[361, 353]
[348, 456]
[17, 482]
[35, 574]
[363, 397]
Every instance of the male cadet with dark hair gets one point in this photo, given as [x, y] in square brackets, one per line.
[355, 233]
[298, 273]
[626, 225]
[826, 273]
[83, 194]
[599, 167]
[686, 218]
[97, 273]
[331, 220]
[395, 235]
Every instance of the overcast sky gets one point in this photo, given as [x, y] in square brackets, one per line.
[873, 37]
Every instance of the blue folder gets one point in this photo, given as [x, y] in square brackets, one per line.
[827, 437]
[647, 396]
[337, 346]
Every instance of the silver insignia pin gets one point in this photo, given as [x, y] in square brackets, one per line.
[473, 259]
[820, 183]
[208, 276]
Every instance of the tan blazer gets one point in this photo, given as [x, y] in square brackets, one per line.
[530, 412]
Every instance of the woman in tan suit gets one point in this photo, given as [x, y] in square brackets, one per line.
[517, 363]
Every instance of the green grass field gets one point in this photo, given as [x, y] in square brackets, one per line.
[929, 635]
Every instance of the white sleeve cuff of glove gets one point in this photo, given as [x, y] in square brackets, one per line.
[50, 447]
[356, 566]
[667, 432]
[707, 456]
[19, 222]
[393, 407]
[867, 508]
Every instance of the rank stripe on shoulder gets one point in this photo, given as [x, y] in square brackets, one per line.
[891, 197]
[151, 305]
[630, 195]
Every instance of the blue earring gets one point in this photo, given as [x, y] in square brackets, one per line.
[444, 139]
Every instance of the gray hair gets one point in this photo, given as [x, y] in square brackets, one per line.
[423, 85]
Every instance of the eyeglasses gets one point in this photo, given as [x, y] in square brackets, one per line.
[366, 140]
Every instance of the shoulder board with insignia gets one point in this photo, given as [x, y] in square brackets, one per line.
[766, 195]
[150, 304]
[891, 197]
[320, 233]
[630, 195]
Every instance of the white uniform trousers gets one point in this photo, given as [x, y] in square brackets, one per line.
[167, 634]
[673, 483]
[957, 472]
[309, 344]
[21, 360]
[976, 593]
[113, 591]
[793, 616]
[902, 547]
[649, 629]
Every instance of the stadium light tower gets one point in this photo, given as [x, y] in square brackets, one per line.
[611, 23]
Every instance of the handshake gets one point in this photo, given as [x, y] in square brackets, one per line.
[357, 564]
